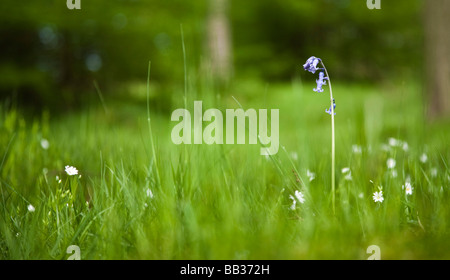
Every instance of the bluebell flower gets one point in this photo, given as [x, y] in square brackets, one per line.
[311, 64]
[321, 82]
[334, 107]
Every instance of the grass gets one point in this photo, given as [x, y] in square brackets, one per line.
[227, 201]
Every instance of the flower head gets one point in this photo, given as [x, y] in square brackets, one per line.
[294, 202]
[45, 144]
[390, 163]
[320, 82]
[408, 188]
[423, 158]
[70, 170]
[334, 107]
[31, 208]
[299, 196]
[356, 149]
[149, 193]
[378, 196]
[311, 175]
[348, 173]
[311, 64]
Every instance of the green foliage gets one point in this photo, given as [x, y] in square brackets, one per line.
[52, 55]
[226, 201]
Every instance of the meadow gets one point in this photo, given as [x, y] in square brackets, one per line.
[137, 195]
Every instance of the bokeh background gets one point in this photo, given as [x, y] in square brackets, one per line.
[51, 57]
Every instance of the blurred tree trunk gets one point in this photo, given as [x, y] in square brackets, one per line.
[437, 45]
[219, 41]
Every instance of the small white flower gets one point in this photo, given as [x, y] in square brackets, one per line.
[348, 177]
[311, 175]
[70, 170]
[294, 202]
[394, 173]
[294, 156]
[423, 158]
[149, 193]
[393, 142]
[356, 149]
[347, 172]
[405, 147]
[299, 196]
[433, 172]
[378, 196]
[45, 144]
[31, 208]
[390, 163]
[361, 195]
[408, 188]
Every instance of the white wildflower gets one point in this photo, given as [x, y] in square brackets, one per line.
[299, 196]
[423, 158]
[149, 193]
[356, 149]
[405, 147]
[390, 163]
[408, 188]
[394, 173]
[70, 170]
[294, 202]
[393, 142]
[378, 196]
[433, 172]
[311, 175]
[348, 173]
[294, 156]
[45, 144]
[31, 208]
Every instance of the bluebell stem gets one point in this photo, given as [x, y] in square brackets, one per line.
[311, 66]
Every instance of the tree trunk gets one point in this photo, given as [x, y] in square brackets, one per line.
[219, 41]
[437, 51]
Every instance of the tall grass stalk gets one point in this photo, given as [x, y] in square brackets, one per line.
[150, 124]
